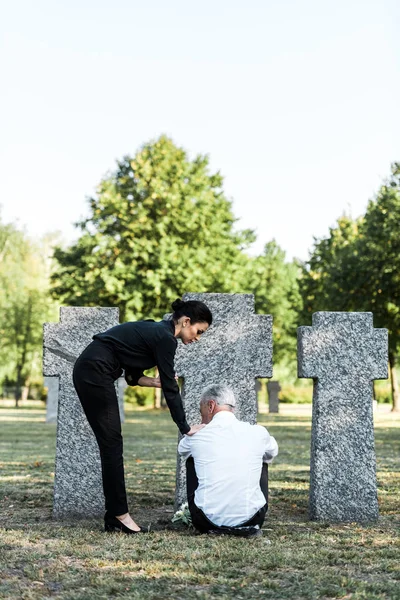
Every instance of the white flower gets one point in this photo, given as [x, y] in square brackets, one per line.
[183, 515]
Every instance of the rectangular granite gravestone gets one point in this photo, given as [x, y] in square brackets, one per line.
[273, 388]
[343, 353]
[52, 399]
[78, 489]
[235, 350]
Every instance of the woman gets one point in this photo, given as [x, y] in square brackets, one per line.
[134, 347]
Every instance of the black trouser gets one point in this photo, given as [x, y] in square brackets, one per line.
[94, 374]
[199, 519]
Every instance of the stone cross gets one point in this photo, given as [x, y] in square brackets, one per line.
[343, 353]
[235, 350]
[273, 388]
[52, 399]
[78, 487]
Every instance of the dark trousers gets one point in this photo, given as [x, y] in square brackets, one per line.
[199, 519]
[94, 374]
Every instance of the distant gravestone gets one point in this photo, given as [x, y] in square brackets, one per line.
[273, 388]
[343, 353]
[52, 399]
[78, 489]
[235, 350]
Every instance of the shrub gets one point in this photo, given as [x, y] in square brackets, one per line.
[293, 394]
[142, 396]
[383, 393]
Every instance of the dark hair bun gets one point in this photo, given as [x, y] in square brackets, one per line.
[177, 304]
[197, 311]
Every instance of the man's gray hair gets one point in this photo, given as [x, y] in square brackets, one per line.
[222, 395]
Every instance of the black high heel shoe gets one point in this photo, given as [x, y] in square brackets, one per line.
[112, 524]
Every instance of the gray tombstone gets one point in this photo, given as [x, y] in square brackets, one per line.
[273, 388]
[343, 353]
[52, 399]
[235, 350]
[78, 487]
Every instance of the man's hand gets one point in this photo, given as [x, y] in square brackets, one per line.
[194, 429]
[145, 381]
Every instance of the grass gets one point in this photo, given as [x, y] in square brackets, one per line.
[41, 558]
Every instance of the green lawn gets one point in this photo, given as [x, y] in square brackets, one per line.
[42, 558]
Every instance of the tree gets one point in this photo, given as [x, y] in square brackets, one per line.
[24, 304]
[358, 268]
[275, 285]
[378, 276]
[327, 277]
[158, 226]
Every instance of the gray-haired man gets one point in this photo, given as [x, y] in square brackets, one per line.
[227, 476]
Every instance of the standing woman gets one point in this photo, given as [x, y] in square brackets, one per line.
[134, 347]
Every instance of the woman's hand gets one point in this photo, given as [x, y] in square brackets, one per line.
[194, 429]
[145, 381]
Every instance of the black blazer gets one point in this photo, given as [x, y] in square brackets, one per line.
[141, 345]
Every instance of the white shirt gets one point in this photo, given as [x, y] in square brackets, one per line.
[228, 456]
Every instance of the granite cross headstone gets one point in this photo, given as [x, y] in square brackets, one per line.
[78, 487]
[343, 353]
[273, 388]
[52, 399]
[235, 350]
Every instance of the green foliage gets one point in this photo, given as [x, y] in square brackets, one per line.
[378, 274]
[275, 285]
[160, 225]
[24, 304]
[295, 394]
[357, 268]
[142, 396]
[327, 278]
[382, 392]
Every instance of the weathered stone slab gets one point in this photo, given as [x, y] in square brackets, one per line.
[343, 353]
[78, 487]
[52, 399]
[273, 388]
[235, 350]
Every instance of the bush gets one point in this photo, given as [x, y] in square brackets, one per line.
[383, 393]
[293, 394]
[142, 396]
[37, 391]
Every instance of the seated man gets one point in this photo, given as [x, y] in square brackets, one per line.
[226, 466]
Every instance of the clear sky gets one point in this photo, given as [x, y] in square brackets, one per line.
[295, 101]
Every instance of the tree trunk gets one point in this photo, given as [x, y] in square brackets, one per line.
[394, 383]
[22, 357]
[18, 386]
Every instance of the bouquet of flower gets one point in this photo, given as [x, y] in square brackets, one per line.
[183, 515]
